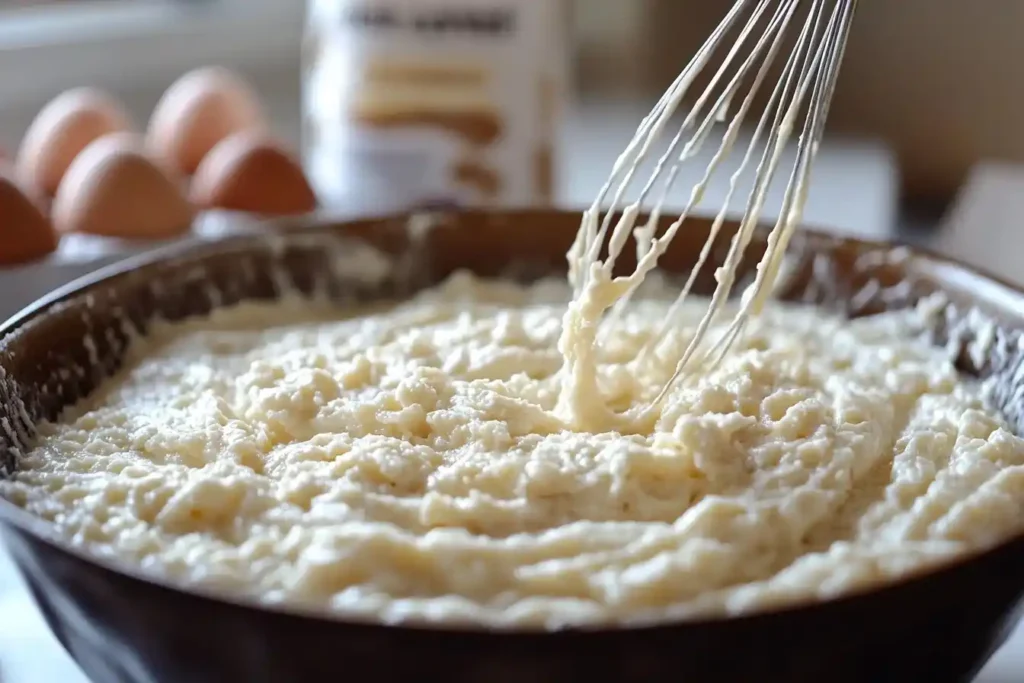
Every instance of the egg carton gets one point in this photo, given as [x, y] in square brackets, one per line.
[80, 254]
[207, 144]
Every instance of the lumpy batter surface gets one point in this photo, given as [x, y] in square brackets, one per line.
[412, 462]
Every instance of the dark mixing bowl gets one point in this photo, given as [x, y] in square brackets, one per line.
[124, 627]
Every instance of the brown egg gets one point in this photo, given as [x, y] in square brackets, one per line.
[250, 172]
[199, 110]
[114, 189]
[61, 131]
[25, 233]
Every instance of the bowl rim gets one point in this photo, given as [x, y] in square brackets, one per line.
[286, 229]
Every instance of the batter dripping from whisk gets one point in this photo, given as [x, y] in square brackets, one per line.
[809, 74]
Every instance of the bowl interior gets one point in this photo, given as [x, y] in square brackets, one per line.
[59, 350]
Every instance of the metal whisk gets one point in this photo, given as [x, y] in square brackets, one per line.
[799, 101]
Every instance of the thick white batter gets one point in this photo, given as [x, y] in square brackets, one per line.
[423, 462]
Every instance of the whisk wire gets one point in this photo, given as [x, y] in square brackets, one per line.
[594, 232]
[825, 74]
[644, 236]
[775, 111]
[804, 63]
[786, 13]
[806, 84]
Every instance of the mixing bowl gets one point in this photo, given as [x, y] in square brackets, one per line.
[124, 627]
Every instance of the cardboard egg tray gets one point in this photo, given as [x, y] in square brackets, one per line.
[80, 254]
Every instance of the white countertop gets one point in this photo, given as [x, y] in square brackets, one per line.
[854, 191]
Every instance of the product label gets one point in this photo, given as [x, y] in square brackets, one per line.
[412, 102]
[438, 21]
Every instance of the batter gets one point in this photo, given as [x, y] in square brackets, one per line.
[439, 460]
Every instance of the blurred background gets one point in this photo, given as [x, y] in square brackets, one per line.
[924, 136]
[927, 112]
[933, 80]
